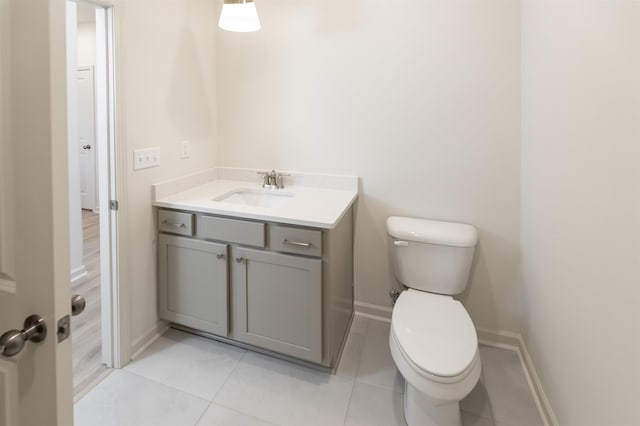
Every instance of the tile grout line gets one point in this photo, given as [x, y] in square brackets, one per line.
[213, 400]
[163, 384]
[355, 375]
[366, 334]
[229, 375]
[203, 413]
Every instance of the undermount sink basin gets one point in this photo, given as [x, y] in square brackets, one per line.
[255, 197]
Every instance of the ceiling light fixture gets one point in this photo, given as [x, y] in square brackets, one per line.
[239, 16]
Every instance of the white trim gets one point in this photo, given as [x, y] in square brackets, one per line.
[78, 273]
[114, 289]
[515, 342]
[544, 405]
[498, 338]
[369, 310]
[142, 343]
[108, 280]
[118, 185]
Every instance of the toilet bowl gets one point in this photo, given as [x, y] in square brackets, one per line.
[434, 346]
[433, 341]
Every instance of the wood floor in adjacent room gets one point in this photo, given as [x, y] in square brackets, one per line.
[86, 331]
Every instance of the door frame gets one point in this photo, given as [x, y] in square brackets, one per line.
[120, 350]
[112, 172]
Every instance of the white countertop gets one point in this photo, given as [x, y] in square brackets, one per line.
[318, 207]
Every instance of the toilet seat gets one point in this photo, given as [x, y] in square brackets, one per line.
[435, 335]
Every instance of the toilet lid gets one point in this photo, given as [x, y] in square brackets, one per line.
[435, 332]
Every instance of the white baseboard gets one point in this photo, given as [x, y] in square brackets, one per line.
[147, 338]
[78, 273]
[515, 342]
[382, 313]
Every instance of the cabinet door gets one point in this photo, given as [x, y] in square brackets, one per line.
[277, 302]
[193, 283]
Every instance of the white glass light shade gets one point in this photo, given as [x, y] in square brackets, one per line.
[239, 16]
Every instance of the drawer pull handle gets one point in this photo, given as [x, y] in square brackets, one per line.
[220, 256]
[296, 243]
[240, 259]
[176, 225]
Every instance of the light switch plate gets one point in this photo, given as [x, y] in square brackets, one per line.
[185, 149]
[145, 158]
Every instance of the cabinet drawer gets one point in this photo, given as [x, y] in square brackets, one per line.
[231, 230]
[295, 240]
[175, 222]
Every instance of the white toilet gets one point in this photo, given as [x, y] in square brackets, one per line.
[433, 341]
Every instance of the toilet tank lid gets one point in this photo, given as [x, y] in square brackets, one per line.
[432, 231]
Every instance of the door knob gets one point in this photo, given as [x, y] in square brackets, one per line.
[12, 342]
[86, 146]
[77, 304]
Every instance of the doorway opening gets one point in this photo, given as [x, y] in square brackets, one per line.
[93, 223]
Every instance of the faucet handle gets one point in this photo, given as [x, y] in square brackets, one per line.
[280, 180]
[265, 178]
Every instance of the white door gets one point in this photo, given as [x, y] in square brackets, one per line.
[86, 139]
[35, 385]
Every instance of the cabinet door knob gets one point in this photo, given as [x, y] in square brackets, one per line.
[240, 259]
[220, 256]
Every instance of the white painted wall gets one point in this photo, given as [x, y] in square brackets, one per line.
[420, 99]
[581, 206]
[170, 96]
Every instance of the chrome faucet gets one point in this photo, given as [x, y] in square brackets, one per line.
[273, 180]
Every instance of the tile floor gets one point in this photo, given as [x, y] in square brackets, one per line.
[188, 380]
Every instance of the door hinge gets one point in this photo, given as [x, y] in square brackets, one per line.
[114, 204]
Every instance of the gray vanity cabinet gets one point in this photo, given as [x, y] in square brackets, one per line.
[277, 302]
[193, 283]
[279, 287]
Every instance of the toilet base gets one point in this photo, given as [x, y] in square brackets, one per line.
[419, 410]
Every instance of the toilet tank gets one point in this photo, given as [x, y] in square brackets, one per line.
[430, 255]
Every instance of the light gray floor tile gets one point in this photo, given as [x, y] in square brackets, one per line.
[350, 359]
[359, 325]
[189, 363]
[376, 366]
[125, 399]
[469, 419]
[259, 390]
[285, 393]
[217, 415]
[507, 391]
[477, 402]
[374, 406]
